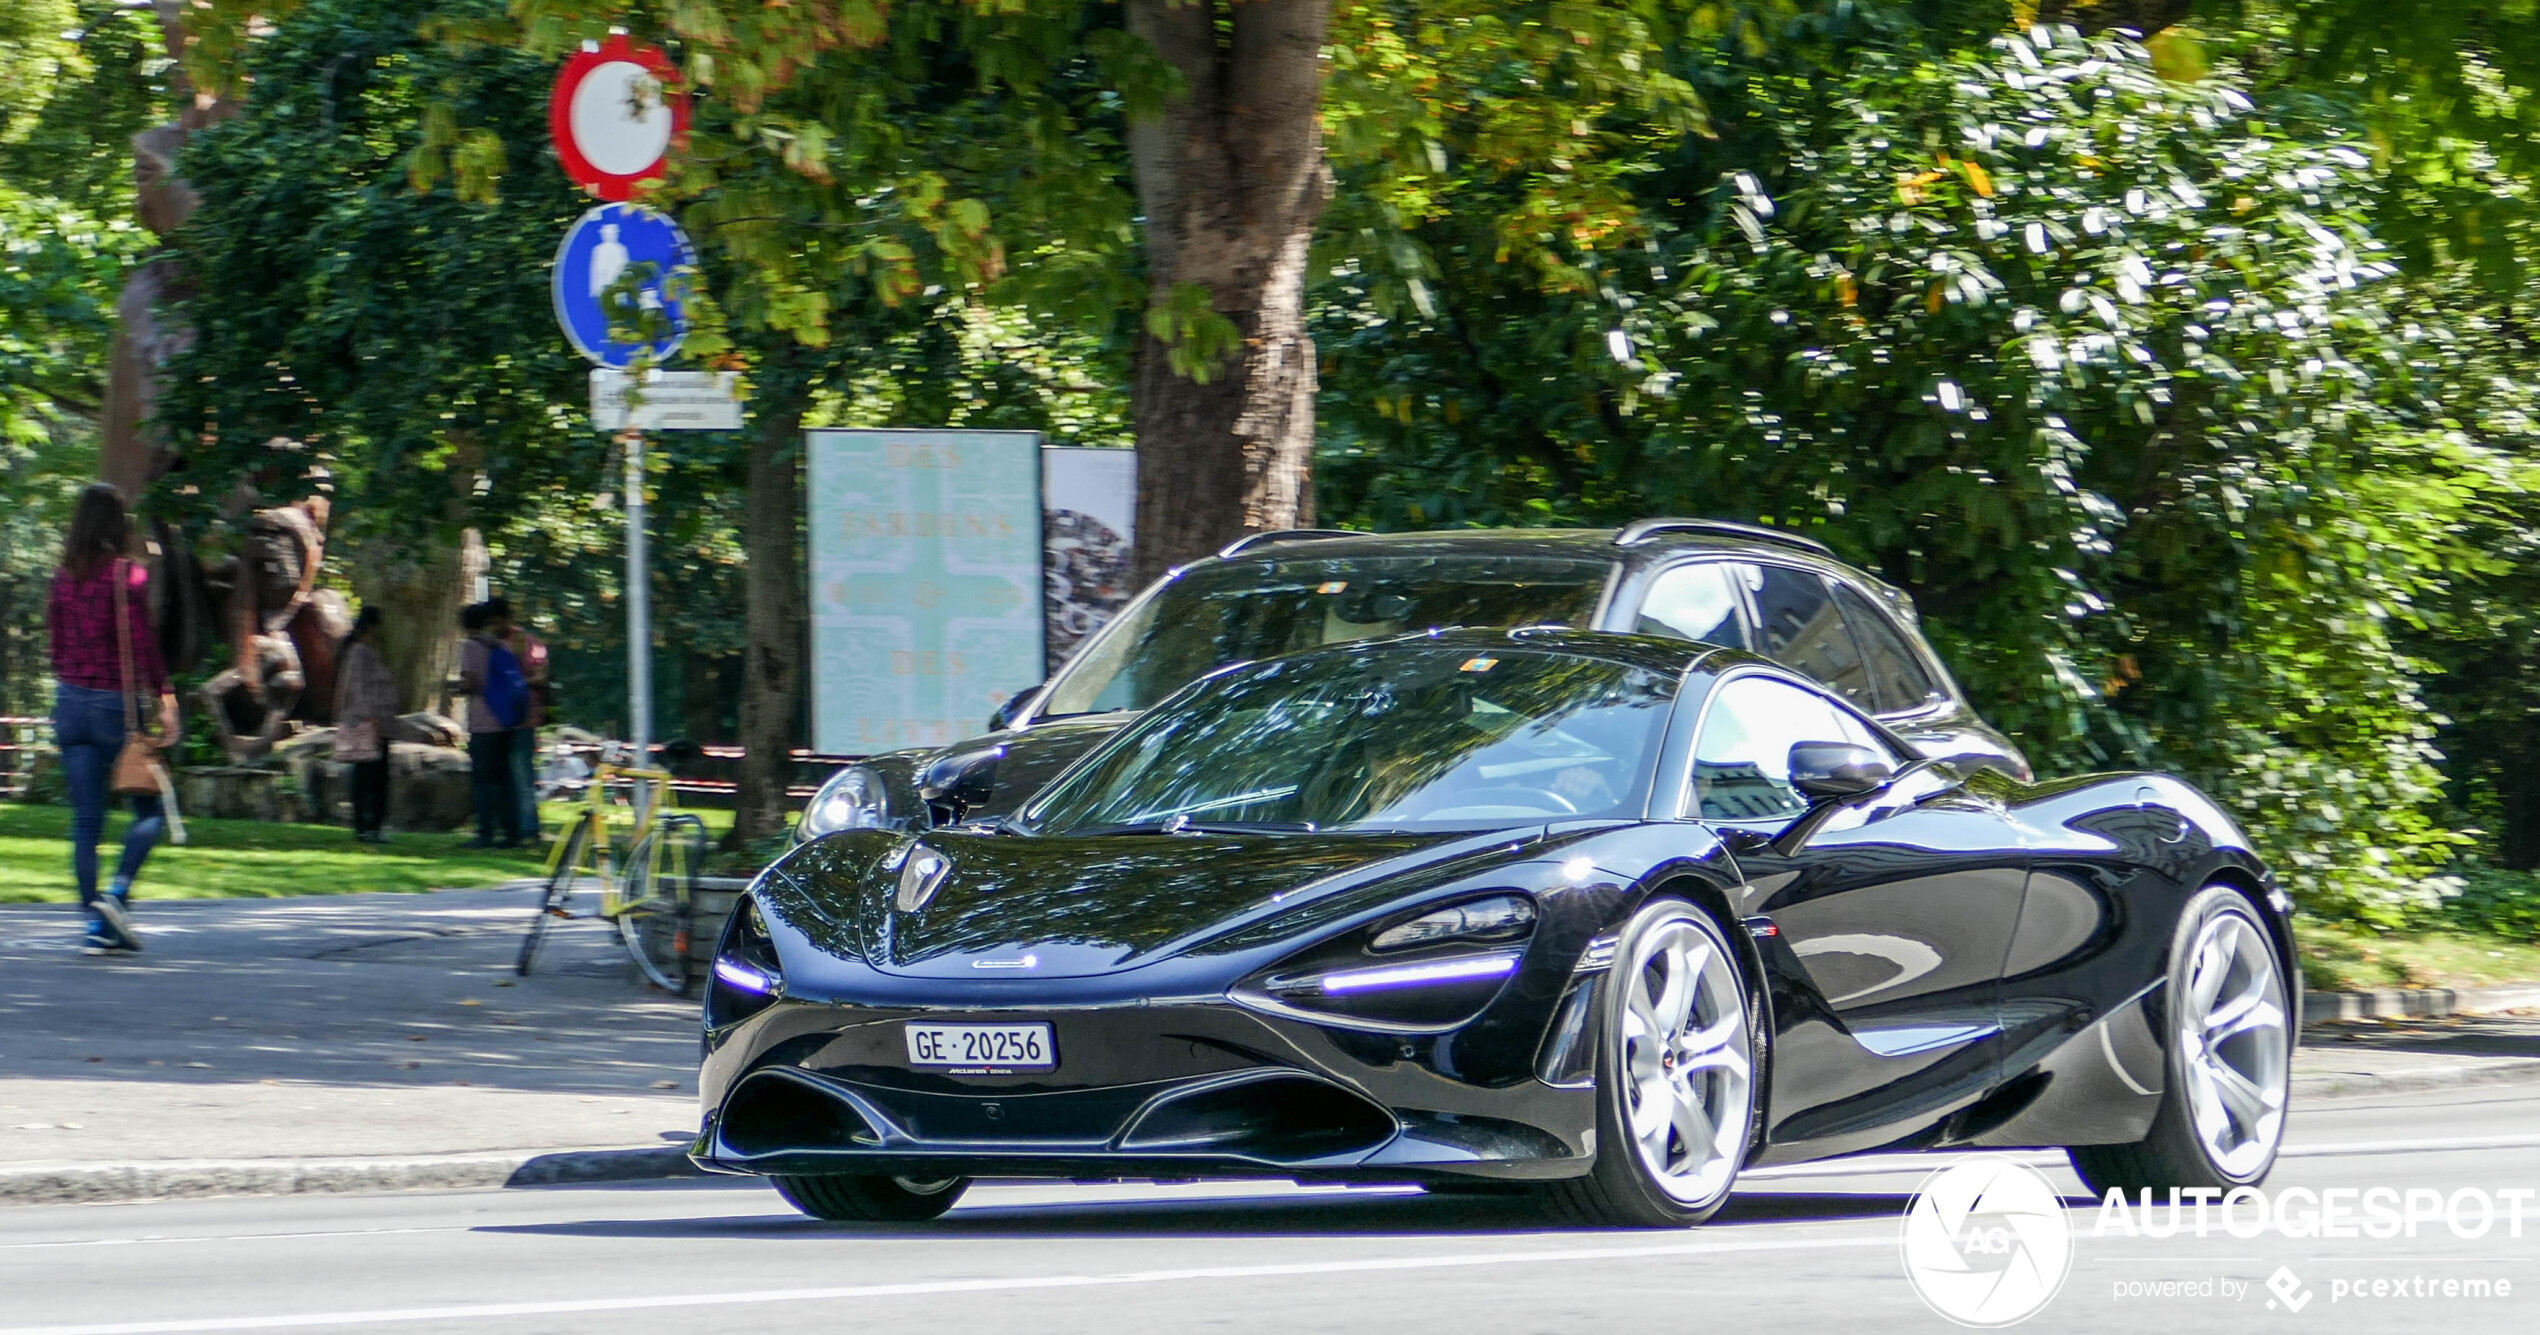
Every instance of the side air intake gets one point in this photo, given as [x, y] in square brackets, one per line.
[775, 1113]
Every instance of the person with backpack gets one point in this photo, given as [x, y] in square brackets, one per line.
[532, 653]
[497, 694]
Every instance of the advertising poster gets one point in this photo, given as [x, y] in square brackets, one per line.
[1089, 499]
[926, 562]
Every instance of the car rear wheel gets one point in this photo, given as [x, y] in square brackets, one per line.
[876, 1200]
[2230, 1050]
[1676, 1066]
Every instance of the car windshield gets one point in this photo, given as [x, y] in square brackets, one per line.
[1233, 613]
[1404, 737]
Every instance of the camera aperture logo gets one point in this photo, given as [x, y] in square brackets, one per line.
[1986, 1242]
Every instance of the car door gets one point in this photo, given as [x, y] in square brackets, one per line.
[1889, 916]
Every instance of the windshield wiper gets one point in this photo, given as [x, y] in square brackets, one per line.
[1179, 826]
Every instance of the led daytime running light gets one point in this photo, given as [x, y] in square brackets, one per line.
[744, 977]
[1416, 975]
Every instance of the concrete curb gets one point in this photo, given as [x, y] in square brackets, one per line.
[89, 1183]
[2431, 1003]
[2362, 1084]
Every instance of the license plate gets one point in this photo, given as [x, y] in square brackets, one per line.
[986, 1048]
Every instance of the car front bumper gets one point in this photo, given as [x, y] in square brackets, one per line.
[1161, 1089]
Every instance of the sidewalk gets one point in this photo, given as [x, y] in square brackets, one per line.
[387, 1029]
[373, 1042]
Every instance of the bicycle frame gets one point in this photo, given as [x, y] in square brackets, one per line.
[593, 814]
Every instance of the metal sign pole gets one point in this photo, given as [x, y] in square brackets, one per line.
[639, 610]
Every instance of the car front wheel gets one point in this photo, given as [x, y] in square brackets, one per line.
[1680, 1052]
[2230, 1049]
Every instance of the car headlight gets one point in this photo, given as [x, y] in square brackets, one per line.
[1498, 918]
[1426, 973]
[852, 799]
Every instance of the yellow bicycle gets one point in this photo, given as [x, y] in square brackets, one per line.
[652, 899]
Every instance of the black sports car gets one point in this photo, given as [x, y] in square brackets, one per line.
[1605, 918]
[1723, 583]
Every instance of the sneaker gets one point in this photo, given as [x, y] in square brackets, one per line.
[116, 922]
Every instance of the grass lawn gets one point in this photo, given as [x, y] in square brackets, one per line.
[2341, 958]
[257, 859]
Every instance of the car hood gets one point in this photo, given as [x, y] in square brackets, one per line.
[1077, 907]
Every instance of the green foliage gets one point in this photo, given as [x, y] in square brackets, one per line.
[2102, 368]
[79, 85]
[84, 76]
[2498, 902]
[402, 343]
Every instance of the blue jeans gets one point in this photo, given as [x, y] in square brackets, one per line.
[88, 726]
[489, 763]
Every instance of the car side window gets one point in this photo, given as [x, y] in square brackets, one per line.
[1741, 759]
[1896, 675]
[1694, 602]
[1802, 629]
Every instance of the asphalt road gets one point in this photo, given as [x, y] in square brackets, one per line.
[1801, 1249]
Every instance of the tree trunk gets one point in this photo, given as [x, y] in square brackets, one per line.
[1231, 179]
[131, 453]
[418, 582]
[701, 696]
[772, 580]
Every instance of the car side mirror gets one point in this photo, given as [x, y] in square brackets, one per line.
[958, 784]
[1827, 771]
[1004, 717]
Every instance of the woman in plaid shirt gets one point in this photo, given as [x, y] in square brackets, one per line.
[88, 703]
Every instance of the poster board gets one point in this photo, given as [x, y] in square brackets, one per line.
[926, 583]
[1089, 508]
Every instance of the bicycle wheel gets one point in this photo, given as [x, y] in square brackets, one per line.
[558, 893]
[655, 897]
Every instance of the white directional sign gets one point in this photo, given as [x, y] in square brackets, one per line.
[668, 401]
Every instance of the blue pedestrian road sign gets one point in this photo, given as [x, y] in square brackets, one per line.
[597, 252]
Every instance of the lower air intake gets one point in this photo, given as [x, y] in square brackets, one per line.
[1279, 1118]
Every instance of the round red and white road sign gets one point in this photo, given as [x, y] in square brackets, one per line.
[614, 116]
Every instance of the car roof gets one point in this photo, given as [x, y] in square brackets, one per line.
[1640, 545]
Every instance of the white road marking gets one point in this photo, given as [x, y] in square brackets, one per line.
[230, 1237]
[570, 1306]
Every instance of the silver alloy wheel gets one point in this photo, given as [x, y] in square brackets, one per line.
[926, 1186]
[1688, 1089]
[2235, 1045]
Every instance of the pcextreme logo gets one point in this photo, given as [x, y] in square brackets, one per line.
[1986, 1242]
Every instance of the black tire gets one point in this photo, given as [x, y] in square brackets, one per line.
[1622, 1190]
[656, 898]
[552, 899]
[871, 1200]
[2173, 1153]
